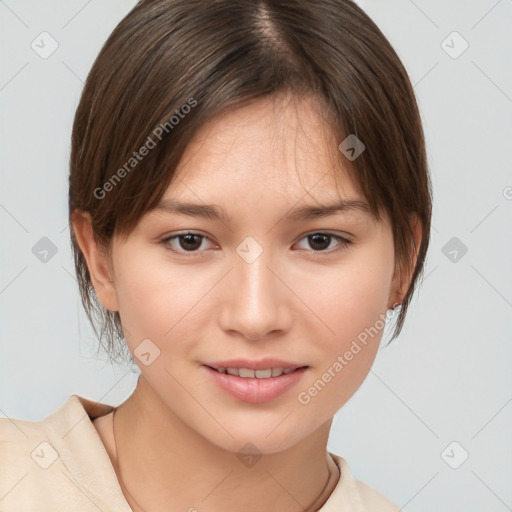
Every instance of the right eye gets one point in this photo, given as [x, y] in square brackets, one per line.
[188, 242]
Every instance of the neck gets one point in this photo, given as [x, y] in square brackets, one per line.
[162, 465]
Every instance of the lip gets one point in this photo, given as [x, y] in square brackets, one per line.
[255, 391]
[262, 364]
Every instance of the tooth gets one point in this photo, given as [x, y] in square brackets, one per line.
[263, 374]
[246, 372]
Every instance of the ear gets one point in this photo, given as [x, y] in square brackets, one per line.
[97, 260]
[403, 276]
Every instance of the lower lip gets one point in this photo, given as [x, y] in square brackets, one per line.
[256, 391]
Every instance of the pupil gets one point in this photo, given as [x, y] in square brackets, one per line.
[315, 240]
[187, 239]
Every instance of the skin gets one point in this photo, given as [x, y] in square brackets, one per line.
[178, 434]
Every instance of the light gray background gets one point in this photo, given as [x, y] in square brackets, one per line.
[447, 378]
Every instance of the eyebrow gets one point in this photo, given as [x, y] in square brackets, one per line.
[301, 213]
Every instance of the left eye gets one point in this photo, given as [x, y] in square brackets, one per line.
[191, 242]
[319, 239]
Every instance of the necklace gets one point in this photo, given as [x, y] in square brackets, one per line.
[319, 502]
[125, 490]
[327, 490]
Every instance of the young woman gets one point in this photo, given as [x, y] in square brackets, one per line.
[249, 197]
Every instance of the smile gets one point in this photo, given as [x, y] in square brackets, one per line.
[247, 373]
[255, 386]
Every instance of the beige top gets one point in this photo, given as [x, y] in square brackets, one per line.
[60, 464]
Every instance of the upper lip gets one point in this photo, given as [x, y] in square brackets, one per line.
[261, 364]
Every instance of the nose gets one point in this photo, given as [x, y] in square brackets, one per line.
[256, 304]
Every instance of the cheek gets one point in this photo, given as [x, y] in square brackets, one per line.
[358, 291]
[354, 310]
[157, 300]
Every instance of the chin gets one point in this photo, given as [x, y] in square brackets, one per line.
[258, 439]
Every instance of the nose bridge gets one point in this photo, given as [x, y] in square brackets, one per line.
[254, 279]
[255, 303]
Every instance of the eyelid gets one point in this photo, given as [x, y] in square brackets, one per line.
[166, 242]
[343, 243]
[347, 237]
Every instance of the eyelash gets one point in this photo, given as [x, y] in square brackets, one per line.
[343, 243]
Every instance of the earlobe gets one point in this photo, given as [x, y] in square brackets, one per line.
[97, 260]
[417, 232]
[403, 276]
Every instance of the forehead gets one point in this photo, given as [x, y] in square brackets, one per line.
[278, 145]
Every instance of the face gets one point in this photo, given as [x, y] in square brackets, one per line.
[256, 282]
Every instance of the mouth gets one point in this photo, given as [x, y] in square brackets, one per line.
[249, 373]
[255, 385]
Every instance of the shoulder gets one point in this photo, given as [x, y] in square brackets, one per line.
[354, 495]
[29, 464]
[24, 446]
[56, 463]
[373, 500]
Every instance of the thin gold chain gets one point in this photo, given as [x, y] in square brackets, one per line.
[119, 465]
[321, 498]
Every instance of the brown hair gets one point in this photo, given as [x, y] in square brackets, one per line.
[172, 65]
